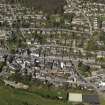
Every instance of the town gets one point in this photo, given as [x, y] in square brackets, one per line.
[61, 50]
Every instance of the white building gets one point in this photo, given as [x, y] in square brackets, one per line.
[75, 97]
[102, 84]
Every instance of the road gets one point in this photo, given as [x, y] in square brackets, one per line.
[100, 93]
[50, 30]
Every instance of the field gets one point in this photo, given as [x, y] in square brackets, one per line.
[10, 96]
[102, 101]
[35, 95]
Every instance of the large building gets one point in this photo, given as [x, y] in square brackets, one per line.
[75, 97]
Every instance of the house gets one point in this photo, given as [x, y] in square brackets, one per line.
[95, 23]
[102, 84]
[103, 26]
[3, 51]
[100, 54]
[16, 85]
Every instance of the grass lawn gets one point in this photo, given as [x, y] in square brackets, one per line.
[102, 101]
[35, 95]
[10, 96]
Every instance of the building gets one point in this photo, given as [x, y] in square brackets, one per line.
[75, 97]
[91, 99]
[100, 54]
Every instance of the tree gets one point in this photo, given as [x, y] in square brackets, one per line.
[28, 51]
[84, 69]
[2, 64]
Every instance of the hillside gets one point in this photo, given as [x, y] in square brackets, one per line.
[50, 6]
[97, 1]
[10, 96]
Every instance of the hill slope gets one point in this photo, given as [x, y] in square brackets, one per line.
[10, 96]
[50, 6]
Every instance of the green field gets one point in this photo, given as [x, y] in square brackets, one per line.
[10, 96]
[35, 95]
[102, 101]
